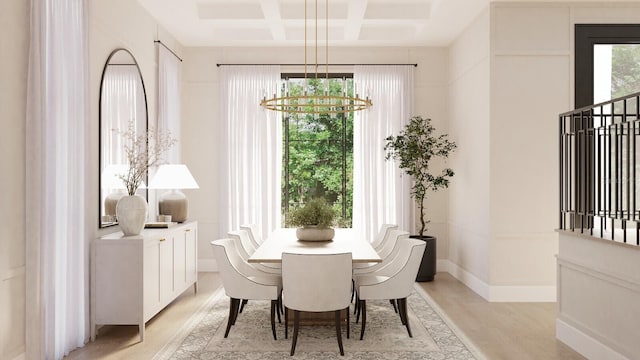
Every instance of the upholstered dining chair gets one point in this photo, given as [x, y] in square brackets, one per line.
[316, 283]
[393, 282]
[382, 235]
[254, 234]
[246, 249]
[249, 285]
[387, 253]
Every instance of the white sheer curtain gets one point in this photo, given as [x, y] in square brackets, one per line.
[122, 96]
[169, 74]
[381, 191]
[251, 148]
[57, 138]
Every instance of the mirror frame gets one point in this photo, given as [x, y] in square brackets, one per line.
[101, 224]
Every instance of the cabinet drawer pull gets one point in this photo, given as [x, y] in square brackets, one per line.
[187, 230]
[162, 239]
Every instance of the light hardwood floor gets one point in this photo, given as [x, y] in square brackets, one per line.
[500, 330]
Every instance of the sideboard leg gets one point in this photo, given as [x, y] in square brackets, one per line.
[141, 330]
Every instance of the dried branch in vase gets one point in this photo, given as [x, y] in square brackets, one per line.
[142, 152]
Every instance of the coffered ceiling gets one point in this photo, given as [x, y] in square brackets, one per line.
[281, 22]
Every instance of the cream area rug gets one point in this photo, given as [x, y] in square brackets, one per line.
[434, 336]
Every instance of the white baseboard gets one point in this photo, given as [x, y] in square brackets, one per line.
[498, 293]
[585, 344]
[474, 283]
[207, 265]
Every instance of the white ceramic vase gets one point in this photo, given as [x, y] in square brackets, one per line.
[132, 214]
[314, 233]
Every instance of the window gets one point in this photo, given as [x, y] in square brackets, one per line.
[318, 150]
[603, 49]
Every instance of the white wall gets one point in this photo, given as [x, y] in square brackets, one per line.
[469, 218]
[530, 85]
[14, 42]
[201, 120]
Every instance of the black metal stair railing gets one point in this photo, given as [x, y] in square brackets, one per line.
[600, 170]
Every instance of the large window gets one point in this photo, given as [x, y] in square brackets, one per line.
[318, 149]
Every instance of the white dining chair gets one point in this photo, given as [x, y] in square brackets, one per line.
[246, 249]
[382, 235]
[256, 240]
[387, 253]
[316, 283]
[238, 285]
[254, 234]
[392, 282]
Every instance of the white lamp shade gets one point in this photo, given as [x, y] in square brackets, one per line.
[173, 176]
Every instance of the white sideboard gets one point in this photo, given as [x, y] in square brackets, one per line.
[134, 277]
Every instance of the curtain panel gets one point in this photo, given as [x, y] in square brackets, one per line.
[169, 78]
[57, 174]
[381, 190]
[251, 148]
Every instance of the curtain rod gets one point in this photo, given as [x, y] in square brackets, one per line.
[414, 65]
[166, 47]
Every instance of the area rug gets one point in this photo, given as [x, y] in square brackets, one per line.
[434, 336]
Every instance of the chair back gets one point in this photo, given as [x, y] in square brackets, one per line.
[316, 282]
[245, 241]
[236, 284]
[254, 234]
[401, 272]
[383, 235]
[390, 244]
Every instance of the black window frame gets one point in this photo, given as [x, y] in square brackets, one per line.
[588, 35]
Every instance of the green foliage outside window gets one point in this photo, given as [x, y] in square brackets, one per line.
[318, 153]
[625, 70]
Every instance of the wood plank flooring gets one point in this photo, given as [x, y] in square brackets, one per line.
[500, 330]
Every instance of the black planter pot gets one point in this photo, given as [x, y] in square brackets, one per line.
[427, 269]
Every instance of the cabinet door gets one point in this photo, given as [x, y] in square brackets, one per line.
[191, 250]
[152, 300]
[179, 261]
[166, 269]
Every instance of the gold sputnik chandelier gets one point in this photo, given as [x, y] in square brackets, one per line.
[320, 101]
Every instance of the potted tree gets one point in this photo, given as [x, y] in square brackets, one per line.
[415, 146]
[314, 220]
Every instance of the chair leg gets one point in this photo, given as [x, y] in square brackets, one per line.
[393, 302]
[244, 302]
[296, 324]
[286, 323]
[348, 324]
[403, 310]
[338, 332]
[353, 289]
[273, 315]
[233, 310]
[363, 308]
[357, 310]
[278, 304]
[402, 317]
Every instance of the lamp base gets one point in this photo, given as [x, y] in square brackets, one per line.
[174, 203]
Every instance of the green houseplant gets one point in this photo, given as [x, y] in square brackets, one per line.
[314, 220]
[414, 147]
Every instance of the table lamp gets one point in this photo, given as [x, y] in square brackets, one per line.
[173, 177]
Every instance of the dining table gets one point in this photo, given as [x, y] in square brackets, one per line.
[284, 240]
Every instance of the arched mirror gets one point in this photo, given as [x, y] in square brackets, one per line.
[123, 103]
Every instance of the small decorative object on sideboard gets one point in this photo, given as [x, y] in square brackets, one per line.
[315, 219]
[142, 152]
[415, 146]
